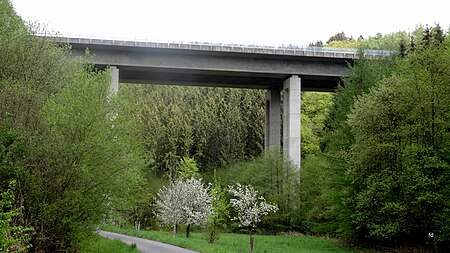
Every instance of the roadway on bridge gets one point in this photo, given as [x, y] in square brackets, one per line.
[144, 245]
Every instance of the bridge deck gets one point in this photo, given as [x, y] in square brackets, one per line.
[347, 53]
[223, 65]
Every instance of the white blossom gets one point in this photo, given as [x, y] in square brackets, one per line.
[250, 208]
[198, 204]
[169, 203]
[184, 202]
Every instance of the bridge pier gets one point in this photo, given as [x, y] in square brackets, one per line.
[272, 136]
[114, 86]
[291, 120]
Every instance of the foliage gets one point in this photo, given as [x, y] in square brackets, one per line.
[64, 139]
[184, 202]
[220, 210]
[315, 107]
[93, 151]
[326, 208]
[188, 168]
[399, 161]
[213, 126]
[364, 75]
[13, 238]
[12, 150]
[331, 211]
[390, 41]
[339, 37]
[336, 204]
[323, 197]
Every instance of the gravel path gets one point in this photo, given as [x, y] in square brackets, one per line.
[144, 245]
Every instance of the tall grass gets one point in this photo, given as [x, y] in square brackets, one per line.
[99, 244]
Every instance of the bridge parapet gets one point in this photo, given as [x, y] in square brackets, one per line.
[322, 52]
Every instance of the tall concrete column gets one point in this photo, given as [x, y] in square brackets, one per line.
[114, 87]
[272, 136]
[292, 119]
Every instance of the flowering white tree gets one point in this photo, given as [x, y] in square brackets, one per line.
[170, 204]
[250, 208]
[184, 202]
[198, 205]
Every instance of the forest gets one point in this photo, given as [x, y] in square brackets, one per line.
[375, 153]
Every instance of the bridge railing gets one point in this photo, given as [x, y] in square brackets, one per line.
[236, 48]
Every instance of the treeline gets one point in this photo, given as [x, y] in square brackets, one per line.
[384, 169]
[214, 126]
[397, 41]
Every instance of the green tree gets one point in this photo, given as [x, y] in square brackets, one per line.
[324, 208]
[364, 75]
[65, 141]
[220, 211]
[426, 37]
[338, 37]
[399, 161]
[188, 168]
[327, 208]
[88, 152]
[315, 107]
[13, 238]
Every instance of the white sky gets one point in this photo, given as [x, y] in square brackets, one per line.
[262, 22]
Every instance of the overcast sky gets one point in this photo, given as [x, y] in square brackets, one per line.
[262, 22]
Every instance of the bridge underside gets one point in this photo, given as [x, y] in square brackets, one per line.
[220, 78]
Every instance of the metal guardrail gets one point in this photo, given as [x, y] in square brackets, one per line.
[347, 53]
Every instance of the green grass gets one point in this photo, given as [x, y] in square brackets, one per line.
[239, 243]
[99, 244]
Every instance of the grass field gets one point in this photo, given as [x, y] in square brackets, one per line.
[239, 243]
[99, 244]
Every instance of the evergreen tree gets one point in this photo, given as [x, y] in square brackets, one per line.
[338, 37]
[402, 48]
[437, 34]
[426, 37]
[412, 44]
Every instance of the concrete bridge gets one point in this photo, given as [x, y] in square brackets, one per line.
[286, 71]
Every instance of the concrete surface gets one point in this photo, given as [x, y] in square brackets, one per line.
[144, 245]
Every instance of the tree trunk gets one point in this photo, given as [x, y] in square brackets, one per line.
[252, 243]
[187, 230]
[175, 228]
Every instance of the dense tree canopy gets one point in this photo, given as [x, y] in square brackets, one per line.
[63, 139]
[384, 170]
[399, 160]
[215, 126]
